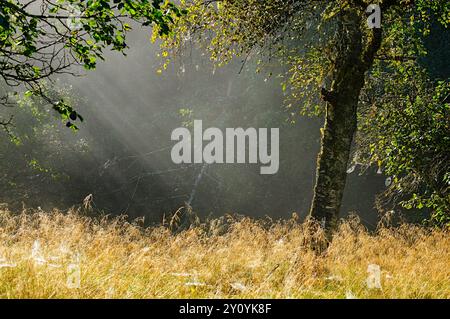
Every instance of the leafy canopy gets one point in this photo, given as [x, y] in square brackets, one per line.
[403, 113]
[41, 38]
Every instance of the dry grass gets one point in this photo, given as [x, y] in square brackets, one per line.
[40, 252]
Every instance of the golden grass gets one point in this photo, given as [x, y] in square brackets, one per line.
[250, 259]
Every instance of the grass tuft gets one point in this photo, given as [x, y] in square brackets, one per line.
[42, 254]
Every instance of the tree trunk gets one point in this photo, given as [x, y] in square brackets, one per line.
[352, 61]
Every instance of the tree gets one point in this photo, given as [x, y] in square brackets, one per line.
[412, 149]
[39, 39]
[409, 137]
[329, 51]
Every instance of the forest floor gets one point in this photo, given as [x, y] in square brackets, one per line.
[69, 255]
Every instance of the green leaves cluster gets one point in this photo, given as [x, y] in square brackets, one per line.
[407, 133]
[68, 113]
[404, 118]
[41, 38]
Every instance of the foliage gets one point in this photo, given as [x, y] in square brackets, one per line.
[262, 31]
[38, 150]
[302, 36]
[41, 38]
[409, 138]
[404, 114]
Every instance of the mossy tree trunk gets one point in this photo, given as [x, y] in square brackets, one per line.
[354, 57]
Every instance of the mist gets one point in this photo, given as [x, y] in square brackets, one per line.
[130, 110]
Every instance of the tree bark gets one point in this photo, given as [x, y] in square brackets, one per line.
[353, 59]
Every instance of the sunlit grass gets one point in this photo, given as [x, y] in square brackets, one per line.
[41, 252]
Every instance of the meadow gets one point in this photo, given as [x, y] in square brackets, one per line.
[71, 255]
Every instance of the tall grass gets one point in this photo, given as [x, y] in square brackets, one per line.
[41, 253]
